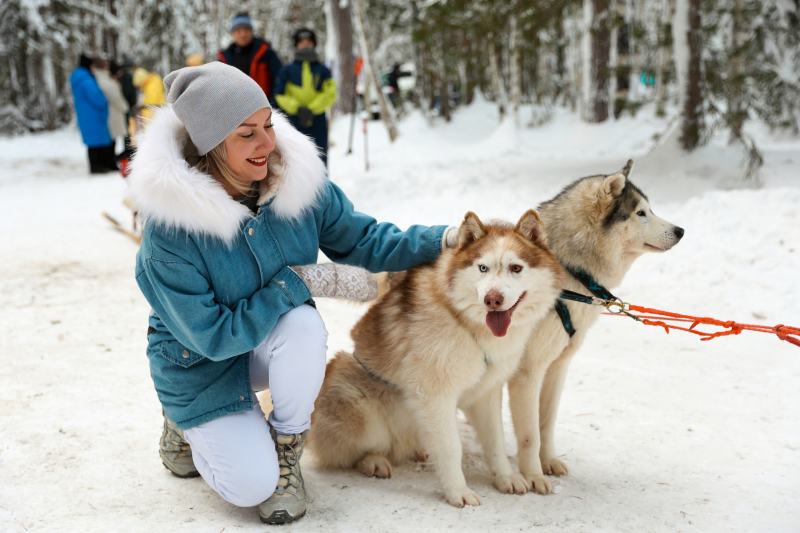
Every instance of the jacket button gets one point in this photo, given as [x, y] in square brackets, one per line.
[185, 354]
[241, 398]
[251, 231]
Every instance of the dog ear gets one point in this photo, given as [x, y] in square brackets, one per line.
[626, 170]
[471, 230]
[532, 227]
[615, 183]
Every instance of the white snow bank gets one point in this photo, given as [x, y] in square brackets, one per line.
[661, 432]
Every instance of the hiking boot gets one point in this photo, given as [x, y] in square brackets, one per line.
[175, 452]
[288, 502]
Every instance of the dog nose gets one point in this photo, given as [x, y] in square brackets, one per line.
[678, 232]
[493, 299]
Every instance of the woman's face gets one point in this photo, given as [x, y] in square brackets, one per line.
[250, 144]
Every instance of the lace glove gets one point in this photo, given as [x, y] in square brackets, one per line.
[450, 237]
[329, 280]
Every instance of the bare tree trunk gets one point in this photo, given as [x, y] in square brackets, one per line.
[387, 111]
[48, 90]
[542, 84]
[444, 95]
[442, 76]
[421, 87]
[664, 58]
[498, 87]
[573, 60]
[615, 61]
[633, 16]
[735, 103]
[463, 81]
[693, 99]
[599, 90]
[343, 26]
[421, 68]
[516, 74]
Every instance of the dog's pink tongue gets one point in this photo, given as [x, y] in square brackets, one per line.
[498, 322]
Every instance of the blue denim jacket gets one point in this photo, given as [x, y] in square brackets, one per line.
[216, 294]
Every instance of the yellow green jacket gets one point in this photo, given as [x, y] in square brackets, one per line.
[305, 85]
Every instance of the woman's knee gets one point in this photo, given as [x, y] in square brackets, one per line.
[236, 456]
[249, 484]
[303, 325]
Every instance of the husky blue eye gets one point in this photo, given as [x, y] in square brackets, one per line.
[483, 268]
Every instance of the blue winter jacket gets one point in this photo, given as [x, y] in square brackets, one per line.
[217, 277]
[91, 107]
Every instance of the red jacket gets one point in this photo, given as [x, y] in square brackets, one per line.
[264, 65]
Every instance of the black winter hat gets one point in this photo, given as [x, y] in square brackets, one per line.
[305, 33]
[85, 61]
[127, 62]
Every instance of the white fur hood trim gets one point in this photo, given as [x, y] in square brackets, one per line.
[166, 189]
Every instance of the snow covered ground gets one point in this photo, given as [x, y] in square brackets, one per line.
[661, 432]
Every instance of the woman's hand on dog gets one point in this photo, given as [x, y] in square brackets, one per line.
[329, 280]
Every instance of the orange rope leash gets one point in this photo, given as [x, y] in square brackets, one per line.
[656, 317]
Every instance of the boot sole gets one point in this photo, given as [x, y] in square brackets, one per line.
[182, 476]
[280, 517]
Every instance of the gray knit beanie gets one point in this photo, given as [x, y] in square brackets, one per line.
[212, 100]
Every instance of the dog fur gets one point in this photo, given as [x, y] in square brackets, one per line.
[600, 224]
[427, 348]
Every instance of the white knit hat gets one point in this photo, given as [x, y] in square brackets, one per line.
[212, 100]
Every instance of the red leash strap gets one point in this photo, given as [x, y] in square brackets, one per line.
[656, 317]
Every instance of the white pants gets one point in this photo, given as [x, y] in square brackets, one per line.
[235, 454]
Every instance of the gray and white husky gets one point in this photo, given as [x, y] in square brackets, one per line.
[599, 225]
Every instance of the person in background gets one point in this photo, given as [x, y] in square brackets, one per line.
[251, 55]
[129, 92]
[392, 82]
[194, 60]
[91, 108]
[152, 87]
[117, 106]
[305, 90]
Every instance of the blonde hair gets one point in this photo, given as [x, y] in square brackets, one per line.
[215, 164]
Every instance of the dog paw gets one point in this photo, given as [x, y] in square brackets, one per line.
[420, 456]
[554, 467]
[462, 497]
[539, 484]
[513, 484]
[375, 465]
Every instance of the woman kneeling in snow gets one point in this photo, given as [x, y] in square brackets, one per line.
[233, 195]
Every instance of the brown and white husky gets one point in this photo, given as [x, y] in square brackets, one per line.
[447, 335]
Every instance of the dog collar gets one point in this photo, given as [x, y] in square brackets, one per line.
[374, 375]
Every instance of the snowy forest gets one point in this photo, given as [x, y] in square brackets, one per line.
[715, 63]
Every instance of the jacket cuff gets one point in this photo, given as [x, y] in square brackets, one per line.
[434, 236]
[290, 283]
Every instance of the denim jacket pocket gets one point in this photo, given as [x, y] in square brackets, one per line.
[176, 353]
